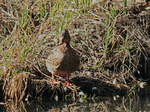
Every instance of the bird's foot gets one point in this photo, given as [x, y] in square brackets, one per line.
[54, 82]
[57, 79]
[68, 83]
[65, 81]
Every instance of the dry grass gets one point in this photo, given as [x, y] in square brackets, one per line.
[29, 27]
[109, 41]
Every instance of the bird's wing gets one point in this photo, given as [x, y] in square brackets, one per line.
[55, 58]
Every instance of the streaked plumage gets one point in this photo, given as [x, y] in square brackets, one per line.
[63, 59]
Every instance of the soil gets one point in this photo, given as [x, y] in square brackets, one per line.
[37, 83]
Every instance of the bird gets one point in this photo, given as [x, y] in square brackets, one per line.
[63, 59]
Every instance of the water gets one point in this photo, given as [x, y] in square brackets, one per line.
[138, 101]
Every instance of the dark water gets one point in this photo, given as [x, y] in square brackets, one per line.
[138, 101]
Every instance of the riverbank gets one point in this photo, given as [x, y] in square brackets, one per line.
[113, 41]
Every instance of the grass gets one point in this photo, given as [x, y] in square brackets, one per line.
[29, 29]
[110, 49]
[27, 21]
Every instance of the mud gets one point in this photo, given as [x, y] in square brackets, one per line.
[37, 84]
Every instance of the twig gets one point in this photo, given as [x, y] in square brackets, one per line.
[37, 68]
[2, 103]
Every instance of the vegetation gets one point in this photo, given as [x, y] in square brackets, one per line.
[111, 37]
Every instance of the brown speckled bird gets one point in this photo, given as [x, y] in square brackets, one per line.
[63, 59]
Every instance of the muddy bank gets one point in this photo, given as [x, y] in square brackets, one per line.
[26, 87]
[115, 58]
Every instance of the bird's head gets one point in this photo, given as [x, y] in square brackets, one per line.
[65, 37]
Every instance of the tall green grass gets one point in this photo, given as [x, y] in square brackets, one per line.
[18, 46]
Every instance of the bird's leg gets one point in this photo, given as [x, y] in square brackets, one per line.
[68, 76]
[67, 82]
[64, 78]
[53, 80]
[52, 76]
